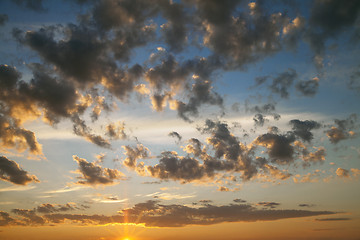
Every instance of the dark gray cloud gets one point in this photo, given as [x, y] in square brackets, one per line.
[200, 93]
[80, 128]
[268, 204]
[51, 208]
[29, 217]
[328, 19]
[155, 214]
[343, 129]
[15, 107]
[158, 215]
[262, 110]
[308, 88]
[10, 171]
[172, 166]
[306, 205]
[279, 146]
[93, 174]
[354, 81]
[174, 30]
[302, 129]
[175, 135]
[283, 82]
[35, 5]
[238, 200]
[239, 39]
[3, 19]
[259, 120]
[78, 57]
[200, 164]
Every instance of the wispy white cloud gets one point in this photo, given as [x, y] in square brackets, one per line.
[17, 188]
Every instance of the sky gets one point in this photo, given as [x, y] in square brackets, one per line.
[169, 119]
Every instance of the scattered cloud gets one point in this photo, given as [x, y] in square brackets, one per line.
[10, 171]
[94, 174]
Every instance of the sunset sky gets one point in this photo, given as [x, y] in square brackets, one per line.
[169, 119]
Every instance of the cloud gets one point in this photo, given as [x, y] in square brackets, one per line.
[354, 81]
[306, 205]
[282, 82]
[259, 120]
[239, 39]
[17, 188]
[3, 19]
[116, 131]
[80, 128]
[331, 219]
[175, 135]
[275, 172]
[155, 214]
[35, 5]
[200, 93]
[135, 153]
[344, 173]
[238, 200]
[343, 129]
[328, 19]
[308, 88]
[279, 146]
[10, 171]
[223, 189]
[307, 178]
[93, 174]
[51, 208]
[302, 129]
[268, 204]
[29, 216]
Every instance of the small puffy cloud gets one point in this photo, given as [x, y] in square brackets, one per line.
[279, 146]
[314, 157]
[200, 93]
[259, 120]
[223, 189]
[307, 178]
[275, 172]
[94, 174]
[344, 173]
[135, 153]
[116, 130]
[343, 129]
[10, 171]
[308, 88]
[175, 135]
[302, 129]
[283, 82]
